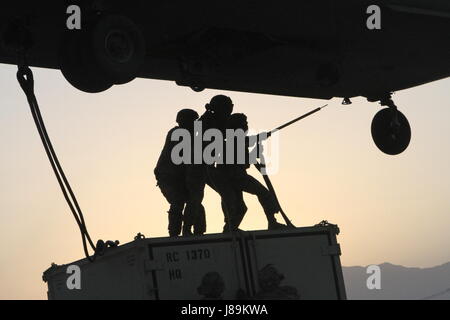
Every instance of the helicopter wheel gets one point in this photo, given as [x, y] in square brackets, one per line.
[109, 51]
[391, 131]
[118, 47]
[75, 66]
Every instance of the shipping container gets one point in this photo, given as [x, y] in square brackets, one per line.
[300, 263]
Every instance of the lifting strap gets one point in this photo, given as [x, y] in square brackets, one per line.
[260, 166]
[26, 81]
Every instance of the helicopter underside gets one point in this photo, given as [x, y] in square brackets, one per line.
[304, 49]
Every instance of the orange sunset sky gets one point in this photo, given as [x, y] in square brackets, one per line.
[394, 209]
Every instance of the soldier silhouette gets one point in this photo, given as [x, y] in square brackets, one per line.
[240, 181]
[174, 183]
[218, 110]
[197, 174]
[216, 116]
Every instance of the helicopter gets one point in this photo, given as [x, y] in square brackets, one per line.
[313, 49]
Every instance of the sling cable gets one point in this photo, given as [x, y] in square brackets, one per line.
[26, 81]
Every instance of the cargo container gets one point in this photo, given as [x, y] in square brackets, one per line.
[300, 263]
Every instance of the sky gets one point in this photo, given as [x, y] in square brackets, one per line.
[389, 209]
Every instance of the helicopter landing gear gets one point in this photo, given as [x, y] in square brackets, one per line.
[391, 131]
[118, 47]
[76, 67]
[109, 51]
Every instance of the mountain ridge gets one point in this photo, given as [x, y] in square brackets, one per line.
[399, 282]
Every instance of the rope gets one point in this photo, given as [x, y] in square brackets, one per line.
[260, 166]
[26, 81]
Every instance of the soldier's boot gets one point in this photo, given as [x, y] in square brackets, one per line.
[188, 222]
[175, 219]
[200, 222]
[235, 213]
[227, 229]
[190, 217]
[234, 225]
[187, 232]
[271, 207]
[273, 224]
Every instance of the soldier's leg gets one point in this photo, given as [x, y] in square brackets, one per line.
[200, 221]
[175, 219]
[219, 180]
[265, 198]
[195, 185]
[240, 209]
[175, 195]
[270, 205]
[192, 210]
[234, 209]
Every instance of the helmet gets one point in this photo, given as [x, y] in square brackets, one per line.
[238, 121]
[186, 117]
[220, 104]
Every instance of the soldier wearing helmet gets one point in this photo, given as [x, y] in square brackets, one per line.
[217, 112]
[197, 175]
[172, 181]
[241, 181]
